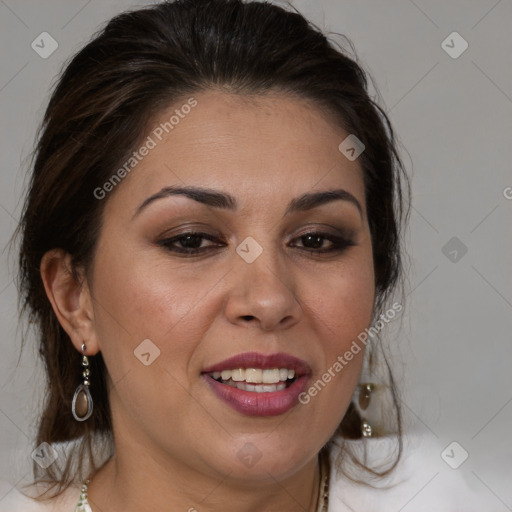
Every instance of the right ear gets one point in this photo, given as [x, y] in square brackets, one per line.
[70, 298]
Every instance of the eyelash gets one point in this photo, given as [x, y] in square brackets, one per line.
[340, 243]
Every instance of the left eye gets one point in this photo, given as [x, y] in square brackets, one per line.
[313, 242]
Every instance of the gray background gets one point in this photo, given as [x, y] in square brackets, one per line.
[453, 117]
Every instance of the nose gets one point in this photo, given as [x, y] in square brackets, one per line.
[263, 293]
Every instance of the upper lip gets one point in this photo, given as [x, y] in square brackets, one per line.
[257, 360]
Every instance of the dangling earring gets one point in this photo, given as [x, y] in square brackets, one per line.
[364, 401]
[81, 407]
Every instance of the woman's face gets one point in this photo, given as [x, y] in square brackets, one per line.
[254, 287]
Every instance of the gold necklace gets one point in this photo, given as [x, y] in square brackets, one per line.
[323, 492]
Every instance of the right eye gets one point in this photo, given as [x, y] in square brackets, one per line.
[189, 243]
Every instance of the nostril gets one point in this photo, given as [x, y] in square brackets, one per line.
[248, 317]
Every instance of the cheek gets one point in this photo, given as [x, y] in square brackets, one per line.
[148, 296]
[341, 302]
[137, 300]
[341, 307]
[141, 302]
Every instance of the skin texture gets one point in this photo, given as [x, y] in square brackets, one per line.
[176, 442]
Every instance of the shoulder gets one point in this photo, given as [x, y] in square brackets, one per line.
[425, 479]
[21, 500]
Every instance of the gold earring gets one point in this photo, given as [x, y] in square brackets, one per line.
[365, 392]
[82, 405]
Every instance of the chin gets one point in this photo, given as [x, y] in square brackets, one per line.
[256, 459]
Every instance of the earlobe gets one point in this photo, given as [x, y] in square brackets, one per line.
[70, 298]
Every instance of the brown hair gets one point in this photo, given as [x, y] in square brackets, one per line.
[140, 63]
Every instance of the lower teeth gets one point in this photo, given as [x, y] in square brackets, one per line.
[257, 388]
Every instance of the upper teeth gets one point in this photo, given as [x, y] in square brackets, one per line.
[256, 375]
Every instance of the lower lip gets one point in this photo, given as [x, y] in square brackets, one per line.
[252, 403]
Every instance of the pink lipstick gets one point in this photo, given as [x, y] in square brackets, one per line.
[259, 385]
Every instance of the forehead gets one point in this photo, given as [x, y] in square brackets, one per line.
[261, 148]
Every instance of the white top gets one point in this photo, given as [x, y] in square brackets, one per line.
[433, 475]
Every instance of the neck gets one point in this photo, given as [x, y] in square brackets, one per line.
[123, 485]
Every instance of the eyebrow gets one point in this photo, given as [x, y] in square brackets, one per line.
[223, 200]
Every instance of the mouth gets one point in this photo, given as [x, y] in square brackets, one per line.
[259, 385]
[256, 380]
